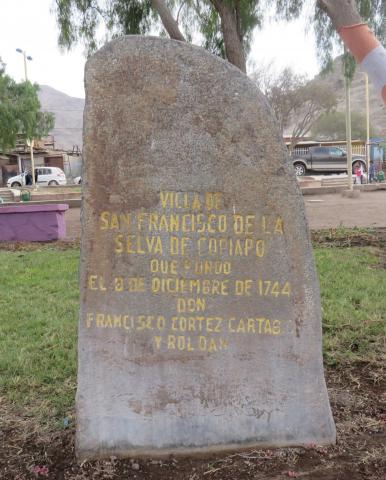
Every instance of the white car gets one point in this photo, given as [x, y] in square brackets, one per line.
[44, 175]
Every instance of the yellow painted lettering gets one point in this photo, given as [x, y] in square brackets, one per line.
[264, 225]
[196, 204]
[104, 220]
[241, 326]
[119, 243]
[238, 248]
[211, 228]
[286, 289]
[243, 287]
[89, 319]
[251, 325]
[92, 282]
[181, 342]
[238, 224]
[100, 319]
[213, 201]
[125, 322]
[161, 322]
[276, 327]
[260, 248]
[108, 321]
[212, 346]
[189, 346]
[166, 199]
[260, 321]
[118, 284]
[114, 222]
[140, 220]
[202, 343]
[191, 324]
[174, 223]
[136, 284]
[125, 219]
[249, 224]
[222, 224]
[171, 342]
[279, 227]
[231, 327]
[267, 327]
[174, 326]
[101, 284]
[275, 291]
[163, 224]
[153, 222]
[248, 246]
[130, 247]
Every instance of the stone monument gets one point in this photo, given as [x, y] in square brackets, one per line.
[200, 324]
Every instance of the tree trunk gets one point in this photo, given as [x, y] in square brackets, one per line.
[234, 50]
[342, 12]
[171, 26]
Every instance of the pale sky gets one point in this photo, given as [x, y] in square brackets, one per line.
[30, 26]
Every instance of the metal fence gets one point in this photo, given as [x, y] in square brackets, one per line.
[356, 149]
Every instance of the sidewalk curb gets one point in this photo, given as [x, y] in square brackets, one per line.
[339, 189]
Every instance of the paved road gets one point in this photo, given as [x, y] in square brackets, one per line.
[323, 211]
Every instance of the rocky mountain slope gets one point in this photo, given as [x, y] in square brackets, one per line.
[358, 96]
[68, 117]
[69, 110]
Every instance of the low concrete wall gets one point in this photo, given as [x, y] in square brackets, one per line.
[32, 223]
[53, 189]
[338, 189]
[58, 196]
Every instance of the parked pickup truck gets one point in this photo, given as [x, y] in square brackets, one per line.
[325, 159]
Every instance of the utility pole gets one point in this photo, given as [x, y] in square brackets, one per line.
[367, 127]
[348, 134]
[31, 141]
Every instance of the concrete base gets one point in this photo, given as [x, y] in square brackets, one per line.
[72, 203]
[32, 223]
[371, 187]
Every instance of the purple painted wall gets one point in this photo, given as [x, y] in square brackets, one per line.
[33, 223]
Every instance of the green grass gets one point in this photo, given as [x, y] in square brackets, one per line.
[38, 319]
[353, 290]
[39, 312]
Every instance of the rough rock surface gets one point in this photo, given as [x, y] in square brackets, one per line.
[200, 326]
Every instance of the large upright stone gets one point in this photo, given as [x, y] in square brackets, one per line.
[200, 325]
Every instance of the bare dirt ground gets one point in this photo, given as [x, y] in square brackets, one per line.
[334, 210]
[358, 401]
[323, 211]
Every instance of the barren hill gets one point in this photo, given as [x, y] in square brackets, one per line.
[358, 96]
[69, 110]
[68, 116]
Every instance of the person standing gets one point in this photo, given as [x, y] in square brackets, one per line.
[362, 170]
[28, 179]
[358, 175]
[372, 172]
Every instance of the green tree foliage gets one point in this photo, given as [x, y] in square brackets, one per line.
[332, 126]
[371, 11]
[224, 27]
[8, 115]
[20, 112]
